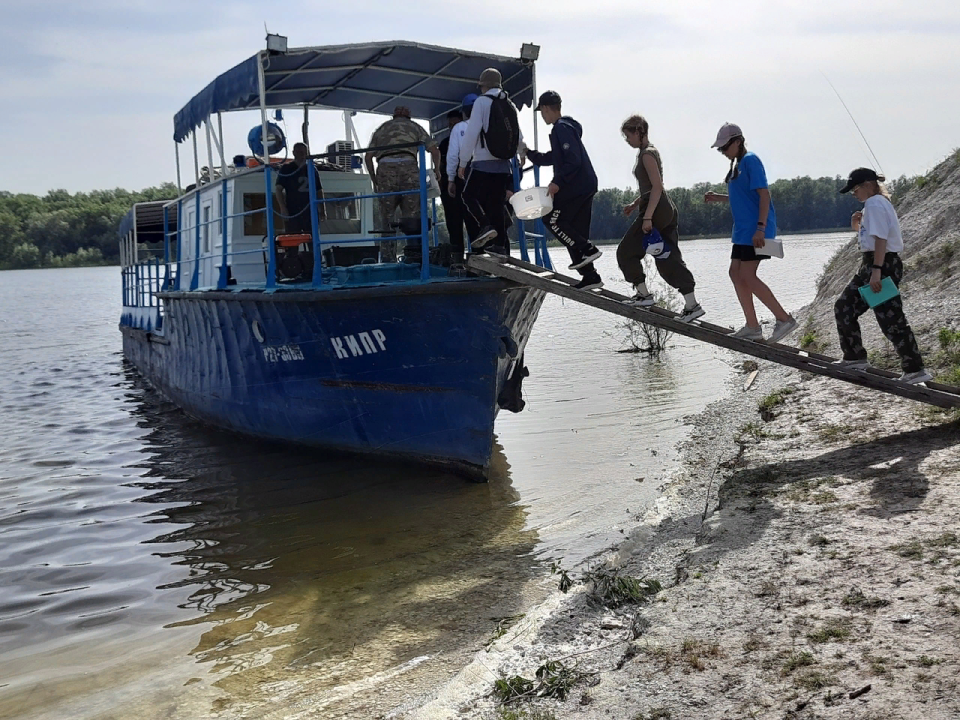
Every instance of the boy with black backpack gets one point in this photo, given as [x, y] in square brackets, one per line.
[489, 144]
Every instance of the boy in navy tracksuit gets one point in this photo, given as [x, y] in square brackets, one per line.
[573, 187]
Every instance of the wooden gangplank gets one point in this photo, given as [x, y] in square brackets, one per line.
[945, 396]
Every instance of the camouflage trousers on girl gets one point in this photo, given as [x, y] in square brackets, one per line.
[851, 305]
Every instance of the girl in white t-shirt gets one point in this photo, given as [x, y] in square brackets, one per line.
[880, 243]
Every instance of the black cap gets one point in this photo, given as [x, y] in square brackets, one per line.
[860, 175]
[548, 98]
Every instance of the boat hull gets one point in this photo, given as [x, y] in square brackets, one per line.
[412, 372]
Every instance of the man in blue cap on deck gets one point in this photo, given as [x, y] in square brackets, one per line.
[573, 186]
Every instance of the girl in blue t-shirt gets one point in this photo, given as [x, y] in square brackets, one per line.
[754, 220]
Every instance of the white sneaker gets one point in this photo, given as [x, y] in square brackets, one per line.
[691, 314]
[919, 376]
[749, 333]
[783, 328]
[639, 300]
[851, 364]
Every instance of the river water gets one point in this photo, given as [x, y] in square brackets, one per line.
[153, 567]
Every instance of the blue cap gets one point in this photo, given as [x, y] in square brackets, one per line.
[655, 246]
[469, 100]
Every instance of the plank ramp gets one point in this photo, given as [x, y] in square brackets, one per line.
[945, 396]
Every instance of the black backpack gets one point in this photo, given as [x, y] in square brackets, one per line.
[502, 136]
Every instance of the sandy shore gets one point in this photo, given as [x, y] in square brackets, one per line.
[809, 555]
[805, 557]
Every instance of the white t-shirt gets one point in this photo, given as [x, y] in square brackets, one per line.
[453, 149]
[880, 221]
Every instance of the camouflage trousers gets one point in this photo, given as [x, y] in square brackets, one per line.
[392, 177]
[851, 305]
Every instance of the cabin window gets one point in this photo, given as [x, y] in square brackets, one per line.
[206, 229]
[343, 216]
[256, 223]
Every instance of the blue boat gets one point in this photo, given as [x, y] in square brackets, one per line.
[310, 338]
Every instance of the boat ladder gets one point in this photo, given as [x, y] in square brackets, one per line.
[932, 393]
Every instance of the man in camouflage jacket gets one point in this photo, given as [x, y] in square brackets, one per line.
[397, 170]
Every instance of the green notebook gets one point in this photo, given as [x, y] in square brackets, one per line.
[887, 290]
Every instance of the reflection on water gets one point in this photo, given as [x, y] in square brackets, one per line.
[302, 573]
[311, 571]
[153, 567]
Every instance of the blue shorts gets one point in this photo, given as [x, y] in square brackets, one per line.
[746, 253]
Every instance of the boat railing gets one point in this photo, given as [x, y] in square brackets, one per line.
[180, 270]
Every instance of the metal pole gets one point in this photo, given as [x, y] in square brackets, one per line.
[271, 280]
[176, 280]
[176, 152]
[196, 158]
[314, 223]
[538, 226]
[533, 80]
[222, 280]
[220, 147]
[521, 233]
[166, 243]
[262, 84]
[195, 279]
[424, 235]
[206, 124]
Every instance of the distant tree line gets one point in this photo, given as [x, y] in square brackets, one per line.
[68, 230]
[802, 204]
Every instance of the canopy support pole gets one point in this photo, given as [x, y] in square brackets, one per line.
[264, 136]
[219, 141]
[271, 279]
[209, 151]
[176, 153]
[196, 158]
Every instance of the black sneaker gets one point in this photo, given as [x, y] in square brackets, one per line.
[590, 282]
[485, 236]
[593, 253]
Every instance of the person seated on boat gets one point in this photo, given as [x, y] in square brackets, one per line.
[397, 170]
[292, 191]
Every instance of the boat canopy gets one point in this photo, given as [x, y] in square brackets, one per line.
[368, 77]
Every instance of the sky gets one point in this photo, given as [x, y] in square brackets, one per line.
[90, 89]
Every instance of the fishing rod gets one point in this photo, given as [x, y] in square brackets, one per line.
[855, 123]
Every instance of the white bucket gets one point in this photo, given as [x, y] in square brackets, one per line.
[531, 203]
[433, 186]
